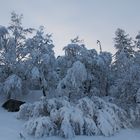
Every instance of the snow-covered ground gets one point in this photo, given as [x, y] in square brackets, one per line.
[9, 125]
[10, 129]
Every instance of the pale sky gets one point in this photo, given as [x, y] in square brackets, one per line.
[92, 20]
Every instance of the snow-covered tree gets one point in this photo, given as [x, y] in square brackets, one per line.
[123, 43]
[72, 84]
[42, 60]
[13, 51]
[74, 48]
[73, 52]
[138, 40]
[122, 65]
[19, 35]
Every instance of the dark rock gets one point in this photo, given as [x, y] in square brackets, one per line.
[12, 105]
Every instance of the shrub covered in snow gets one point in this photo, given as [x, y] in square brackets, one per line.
[108, 117]
[40, 127]
[26, 111]
[12, 87]
[134, 113]
[57, 116]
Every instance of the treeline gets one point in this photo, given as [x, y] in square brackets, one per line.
[28, 62]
